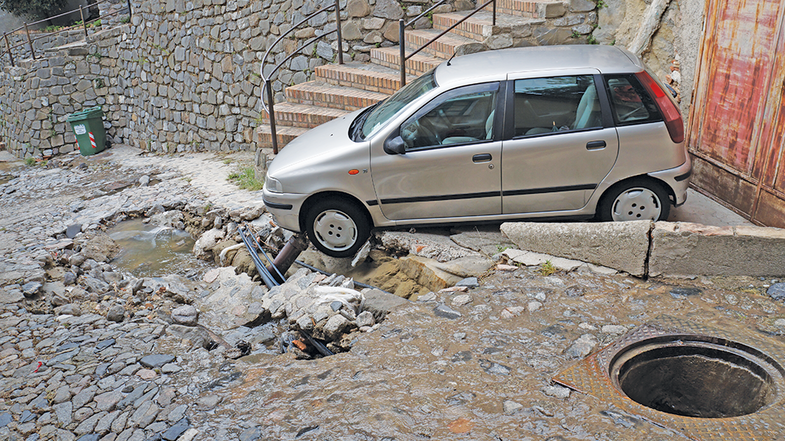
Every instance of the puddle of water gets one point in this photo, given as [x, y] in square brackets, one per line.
[149, 250]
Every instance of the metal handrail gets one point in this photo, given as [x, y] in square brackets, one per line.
[267, 80]
[30, 40]
[402, 25]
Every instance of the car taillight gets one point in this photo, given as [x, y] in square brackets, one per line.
[667, 107]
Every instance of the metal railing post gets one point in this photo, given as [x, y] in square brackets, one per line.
[84, 24]
[338, 28]
[32, 50]
[402, 46]
[130, 14]
[494, 12]
[271, 115]
[8, 46]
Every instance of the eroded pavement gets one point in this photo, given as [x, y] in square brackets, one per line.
[103, 355]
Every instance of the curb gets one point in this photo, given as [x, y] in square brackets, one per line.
[646, 248]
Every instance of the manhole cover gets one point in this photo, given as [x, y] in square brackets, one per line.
[707, 383]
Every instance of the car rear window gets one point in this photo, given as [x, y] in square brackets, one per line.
[630, 102]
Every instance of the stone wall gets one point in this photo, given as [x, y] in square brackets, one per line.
[43, 43]
[672, 50]
[183, 75]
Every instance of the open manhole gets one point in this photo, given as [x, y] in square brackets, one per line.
[696, 376]
[706, 383]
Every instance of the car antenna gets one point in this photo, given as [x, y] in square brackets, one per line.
[453, 56]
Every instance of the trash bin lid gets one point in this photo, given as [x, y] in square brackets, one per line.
[92, 112]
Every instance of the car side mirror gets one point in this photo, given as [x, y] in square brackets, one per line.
[395, 146]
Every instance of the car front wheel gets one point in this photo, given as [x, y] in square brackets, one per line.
[637, 199]
[337, 227]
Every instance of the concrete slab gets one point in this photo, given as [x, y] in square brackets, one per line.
[701, 209]
[619, 245]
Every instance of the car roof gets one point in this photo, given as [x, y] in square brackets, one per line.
[498, 63]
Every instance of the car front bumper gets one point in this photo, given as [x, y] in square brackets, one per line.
[285, 208]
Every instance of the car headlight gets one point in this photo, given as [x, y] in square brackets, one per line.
[273, 185]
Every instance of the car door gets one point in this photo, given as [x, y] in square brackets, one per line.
[449, 163]
[560, 143]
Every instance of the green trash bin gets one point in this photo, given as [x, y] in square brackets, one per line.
[88, 126]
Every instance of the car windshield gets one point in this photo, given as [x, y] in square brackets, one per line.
[380, 114]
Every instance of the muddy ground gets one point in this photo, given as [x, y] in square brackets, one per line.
[475, 363]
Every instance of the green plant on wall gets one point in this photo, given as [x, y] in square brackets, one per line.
[601, 4]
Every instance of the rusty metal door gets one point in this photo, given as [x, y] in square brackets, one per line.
[738, 115]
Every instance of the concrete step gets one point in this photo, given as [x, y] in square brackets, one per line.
[530, 8]
[328, 95]
[480, 27]
[365, 76]
[445, 46]
[285, 135]
[304, 116]
[416, 66]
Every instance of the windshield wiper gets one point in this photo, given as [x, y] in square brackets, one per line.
[355, 129]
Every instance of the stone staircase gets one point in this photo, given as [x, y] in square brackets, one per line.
[339, 89]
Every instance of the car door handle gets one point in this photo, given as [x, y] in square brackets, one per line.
[482, 157]
[595, 145]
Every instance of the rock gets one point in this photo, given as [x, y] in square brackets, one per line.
[613, 329]
[533, 306]
[335, 327]
[556, 391]
[461, 300]
[208, 402]
[380, 303]
[777, 291]
[204, 245]
[510, 407]
[176, 430]
[445, 311]
[433, 246]
[73, 230]
[116, 314]
[156, 360]
[98, 246]
[582, 346]
[69, 309]
[469, 282]
[365, 318]
[31, 289]
[186, 315]
[680, 293]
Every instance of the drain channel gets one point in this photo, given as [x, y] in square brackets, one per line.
[696, 376]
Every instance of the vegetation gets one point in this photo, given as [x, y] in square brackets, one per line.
[246, 179]
[547, 268]
[35, 9]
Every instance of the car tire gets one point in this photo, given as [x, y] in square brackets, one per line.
[636, 199]
[337, 227]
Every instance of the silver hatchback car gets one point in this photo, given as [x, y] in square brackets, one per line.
[542, 132]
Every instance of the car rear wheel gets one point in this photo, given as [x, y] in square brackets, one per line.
[337, 227]
[637, 199]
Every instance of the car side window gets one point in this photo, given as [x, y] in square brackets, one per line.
[556, 104]
[630, 103]
[459, 116]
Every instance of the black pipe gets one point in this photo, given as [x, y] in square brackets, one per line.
[313, 268]
[267, 278]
